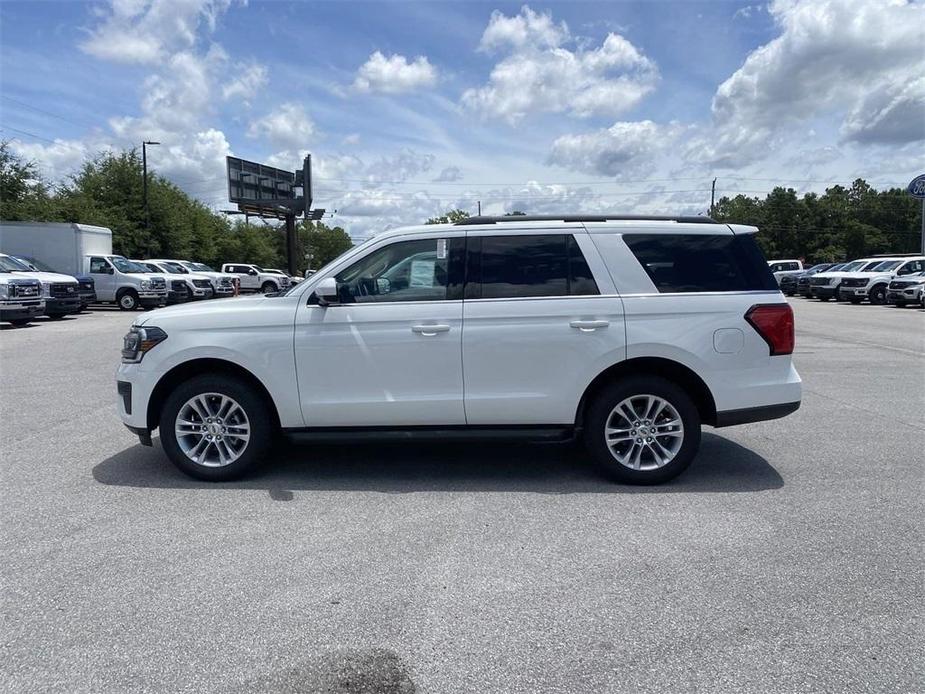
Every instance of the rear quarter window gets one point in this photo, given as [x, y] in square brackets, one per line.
[679, 263]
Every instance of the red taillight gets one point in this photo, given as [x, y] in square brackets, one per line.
[774, 322]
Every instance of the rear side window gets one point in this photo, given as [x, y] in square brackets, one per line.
[702, 263]
[504, 267]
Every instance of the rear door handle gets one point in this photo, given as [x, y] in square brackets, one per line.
[587, 326]
[429, 330]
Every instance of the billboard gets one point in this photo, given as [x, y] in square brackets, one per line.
[249, 183]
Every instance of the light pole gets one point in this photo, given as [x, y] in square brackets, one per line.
[144, 168]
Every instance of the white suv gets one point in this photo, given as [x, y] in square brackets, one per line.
[629, 333]
[873, 284]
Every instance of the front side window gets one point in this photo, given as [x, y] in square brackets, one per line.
[99, 266]
[402, 271]
[702, 262]
[910, 268]
[542, 265]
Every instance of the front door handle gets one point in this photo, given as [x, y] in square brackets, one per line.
[429, 330]
[587, 326]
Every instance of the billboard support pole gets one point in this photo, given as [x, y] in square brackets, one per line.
[290, 244]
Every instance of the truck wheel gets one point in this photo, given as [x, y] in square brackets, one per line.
[128, 299]
[642, 430]
[215, 427]
[55, 316]
[900, 303]
[268, 287]
[877, 295]
[20, 322]
[855, 300]
[824, 298]
[189, 294]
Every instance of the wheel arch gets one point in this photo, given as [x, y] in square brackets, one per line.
[669, 369]
[197, 367]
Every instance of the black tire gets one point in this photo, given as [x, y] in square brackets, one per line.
[20, 322]
[607, 399]
[824, 298]
[900, 304]
[877, 295]
[55, 316]
[255, 407]
[127, 299]
[855, 300]
[268, 287]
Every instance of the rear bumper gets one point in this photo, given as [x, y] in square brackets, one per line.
[755, 414]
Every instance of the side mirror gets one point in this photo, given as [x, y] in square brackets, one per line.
[251, 272]
[109, 270]
[326, 291]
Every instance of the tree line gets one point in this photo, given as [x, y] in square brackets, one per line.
[841, 223]
[108, 191]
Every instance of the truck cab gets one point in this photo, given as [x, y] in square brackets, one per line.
[86, 289]
[20, 297]
[119, 280]
[60, 292]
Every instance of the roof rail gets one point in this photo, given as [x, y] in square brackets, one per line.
[584, 218]
[895, 255]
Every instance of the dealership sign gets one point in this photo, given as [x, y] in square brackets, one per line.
[917, 187]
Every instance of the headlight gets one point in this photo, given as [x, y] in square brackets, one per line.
[46, 290]
[145, 285]
[4, 291]
[138, 341]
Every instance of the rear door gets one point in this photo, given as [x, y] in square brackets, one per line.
[541, 319]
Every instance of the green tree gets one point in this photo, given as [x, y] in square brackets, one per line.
[450, 217]
[324, 243]
[24, 194]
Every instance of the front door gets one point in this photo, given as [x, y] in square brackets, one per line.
[388, 353]
[104, 278]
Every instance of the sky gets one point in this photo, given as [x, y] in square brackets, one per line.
[413, 108]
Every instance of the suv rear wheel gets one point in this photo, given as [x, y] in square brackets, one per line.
[215, 427]
[642, 430]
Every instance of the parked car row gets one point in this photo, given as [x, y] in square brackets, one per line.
[895, 279]
[74, 266]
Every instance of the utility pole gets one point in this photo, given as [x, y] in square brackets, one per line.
[144, 168]
[713, 197]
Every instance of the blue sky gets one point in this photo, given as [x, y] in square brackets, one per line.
[414, 107]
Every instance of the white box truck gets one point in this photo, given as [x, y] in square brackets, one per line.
[82, 249]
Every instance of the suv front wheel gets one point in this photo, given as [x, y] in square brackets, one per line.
[215, 427]
[642, 430]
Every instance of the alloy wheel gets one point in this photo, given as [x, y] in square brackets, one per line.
[644, 432]
[212, 429]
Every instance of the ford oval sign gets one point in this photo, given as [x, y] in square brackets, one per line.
[917, 187]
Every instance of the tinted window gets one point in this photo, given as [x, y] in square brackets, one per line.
[702, 263]
[403, 271]
[528, 266]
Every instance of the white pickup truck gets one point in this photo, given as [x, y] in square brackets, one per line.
[255, 279]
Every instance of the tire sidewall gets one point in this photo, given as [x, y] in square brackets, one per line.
[268, 287]
[608, 398]
[261, 427]
[130, 294]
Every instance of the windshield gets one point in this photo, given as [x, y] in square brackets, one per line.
[9, 264]
[853, 265]
[202, 267]
[840, 266]
[35, 264]
[888, 265]
[126, 265]
[819, 268]
[175, 267]
[151, 267]
[868, 266]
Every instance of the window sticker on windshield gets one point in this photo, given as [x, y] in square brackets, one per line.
[441, 249]
[422, 273]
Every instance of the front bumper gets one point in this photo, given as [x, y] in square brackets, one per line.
[224, 291]
[152, 298]
[911, 295]
[18, 310]
[59, 307]
[200, 293]
[852, 293]
[175, 297]
[87, 297]
[824, 292]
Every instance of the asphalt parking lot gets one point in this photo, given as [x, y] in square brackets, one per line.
[788, 558]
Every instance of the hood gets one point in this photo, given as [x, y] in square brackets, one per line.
[243, 309]
[48, 276]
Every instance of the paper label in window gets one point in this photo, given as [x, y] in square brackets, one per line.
[441, 249]
[422, 273]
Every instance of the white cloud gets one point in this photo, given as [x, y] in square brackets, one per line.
[146, 31]
[287, 126]
[858, 61]
[249, 79]
[449, 174]
[394, 74]
[352, 139]
[400, 167]
[528, 29]
[623, 149]
[541, 75]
